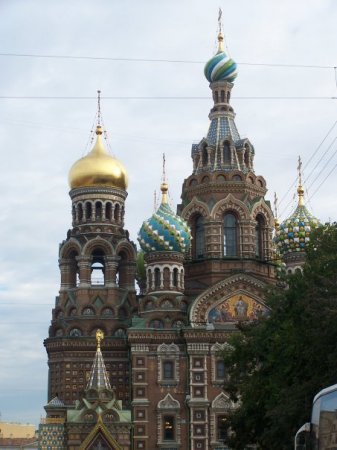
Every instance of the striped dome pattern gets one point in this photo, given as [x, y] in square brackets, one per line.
[164, 231]
[220, 68]
[293, 235]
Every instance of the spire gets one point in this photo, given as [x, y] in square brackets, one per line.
[220, 33]
[300, 190]
[164, 185]
[276, 221]
[98, 377]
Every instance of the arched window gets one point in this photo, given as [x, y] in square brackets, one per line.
[199, 237]
[97, 268]
[228, 96]
[230, 235]
[168, 428]
[88, 211]
[222, 428]
[175, 277]
[157, 277]
[98, 206]
[108, 211]
[220, 370]
[168, 370]
[259, 236]
[226, 153]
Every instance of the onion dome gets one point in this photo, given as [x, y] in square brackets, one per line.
[221, 67]
[164, 231]
[98, 168]
[293, 235]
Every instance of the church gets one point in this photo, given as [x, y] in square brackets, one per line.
[134, 345]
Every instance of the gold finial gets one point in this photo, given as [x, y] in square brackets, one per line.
[164, 185]
[276, 221]
[99, 338]
[220, 33]
[300, 190]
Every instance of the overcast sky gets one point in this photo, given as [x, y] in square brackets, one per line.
[41, 138]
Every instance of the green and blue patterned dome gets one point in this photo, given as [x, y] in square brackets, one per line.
[164, 231]
[221, 67]
[293, 235]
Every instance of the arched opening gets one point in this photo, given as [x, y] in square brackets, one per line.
[156, 278]
[247, 156]
[226, 153]
[175, 277]
[222, 96]
[108, 211]
[230, 235]
[198, 231]
[216, 96]
[74, 213]
[98, 208]
[88, 211]
[228, 96]
[98, 268]
[259, 250]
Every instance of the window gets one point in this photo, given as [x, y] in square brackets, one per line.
[175, 277]
[199, 237]
[221, 428]
[168, 428]
[204, 156]
[230, 235]
[157, 277]
[259, 237]
[220, 370]
[226, 153]
[168, 370]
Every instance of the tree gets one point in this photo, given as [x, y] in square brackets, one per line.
[277, 364]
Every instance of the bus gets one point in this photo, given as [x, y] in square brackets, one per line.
[321, 432]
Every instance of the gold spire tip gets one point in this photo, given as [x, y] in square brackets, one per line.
[99, 338]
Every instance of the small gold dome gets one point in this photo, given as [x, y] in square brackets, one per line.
[98, 168]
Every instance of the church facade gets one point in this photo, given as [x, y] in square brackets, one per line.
[156, 380]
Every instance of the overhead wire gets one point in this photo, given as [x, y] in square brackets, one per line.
[158, 60]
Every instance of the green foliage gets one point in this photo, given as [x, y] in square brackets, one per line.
[277, 364]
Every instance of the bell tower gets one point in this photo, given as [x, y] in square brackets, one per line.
[97, 265]
[223, 199]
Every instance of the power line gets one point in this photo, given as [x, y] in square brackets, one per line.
[119, 97]
[306, 164]
[155, 60]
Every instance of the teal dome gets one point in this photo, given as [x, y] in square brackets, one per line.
[164, 231]
[221, 67]
[293, 235]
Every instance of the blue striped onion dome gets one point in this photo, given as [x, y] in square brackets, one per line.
[221, 67]
[164, 231]
[293, 235]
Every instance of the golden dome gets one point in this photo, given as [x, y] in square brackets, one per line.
[98, 168]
